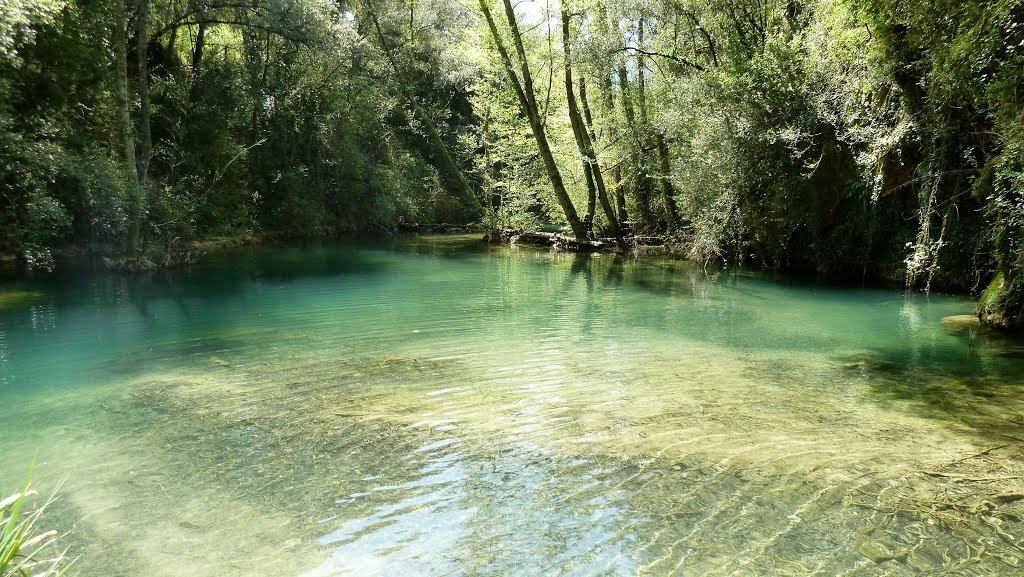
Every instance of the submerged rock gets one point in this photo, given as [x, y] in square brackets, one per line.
[189, 521]
[877, 548]
[872, 365]
[983, 336]
[961, 324]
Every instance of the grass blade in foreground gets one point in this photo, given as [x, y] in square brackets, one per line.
[24, 548]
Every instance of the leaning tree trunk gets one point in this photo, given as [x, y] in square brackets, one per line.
[528, 102]
[455, 181]
[584, 138]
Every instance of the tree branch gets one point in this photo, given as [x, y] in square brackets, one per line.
[677, 59]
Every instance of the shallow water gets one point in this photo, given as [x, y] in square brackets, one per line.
[437, 407]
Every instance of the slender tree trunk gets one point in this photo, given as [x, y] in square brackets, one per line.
[608, 98]
[138, 204]
[582, 130]
[172, 47]
[489, 168]
[527, 100]
[641, 70]
[620, 196]
[254, 66]
[145, 134]
[125, 132]
[197, 51]
[667, 191]
[578, 131]
[124, 105]
[614, 223]
[664, 165]
[588, 177]
[641, 137]
[641, 184]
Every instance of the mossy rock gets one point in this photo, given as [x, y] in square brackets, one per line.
[16, 299]
[995, 308]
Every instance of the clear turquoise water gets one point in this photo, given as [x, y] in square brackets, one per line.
[439, 407]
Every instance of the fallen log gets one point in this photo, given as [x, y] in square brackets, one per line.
[437, 228]
[563, 242]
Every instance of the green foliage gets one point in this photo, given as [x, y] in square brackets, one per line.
[835, 135]
[19, 21]
[285, 122]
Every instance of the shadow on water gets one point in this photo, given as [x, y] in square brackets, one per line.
[614, 275]
[220, 276]
[960, 384]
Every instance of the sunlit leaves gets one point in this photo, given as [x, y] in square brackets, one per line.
[19, 21]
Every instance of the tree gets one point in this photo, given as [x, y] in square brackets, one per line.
[528, 103]
[455, 181]
[582, 131]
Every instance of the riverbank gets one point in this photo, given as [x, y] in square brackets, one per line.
[178, 254]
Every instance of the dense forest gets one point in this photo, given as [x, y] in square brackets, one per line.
[864, 138]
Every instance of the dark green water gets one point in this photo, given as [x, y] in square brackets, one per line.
[437, 407]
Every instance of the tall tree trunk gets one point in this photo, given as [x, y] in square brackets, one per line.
[641, 138]
[620, 196]
[578, 130]
[641, 183]
[641, 70]
[528, 102]
[172, 47]
[614, 224]
[664, 165]
[454, 180]
[588, 177]
[251, 47]
[608, 98]
[667, 191]
[125, 132]
[197, 50]
[582, 130]
[489, 167]
[145, 135]
[138, 204]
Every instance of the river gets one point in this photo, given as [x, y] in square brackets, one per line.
[432, 406]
